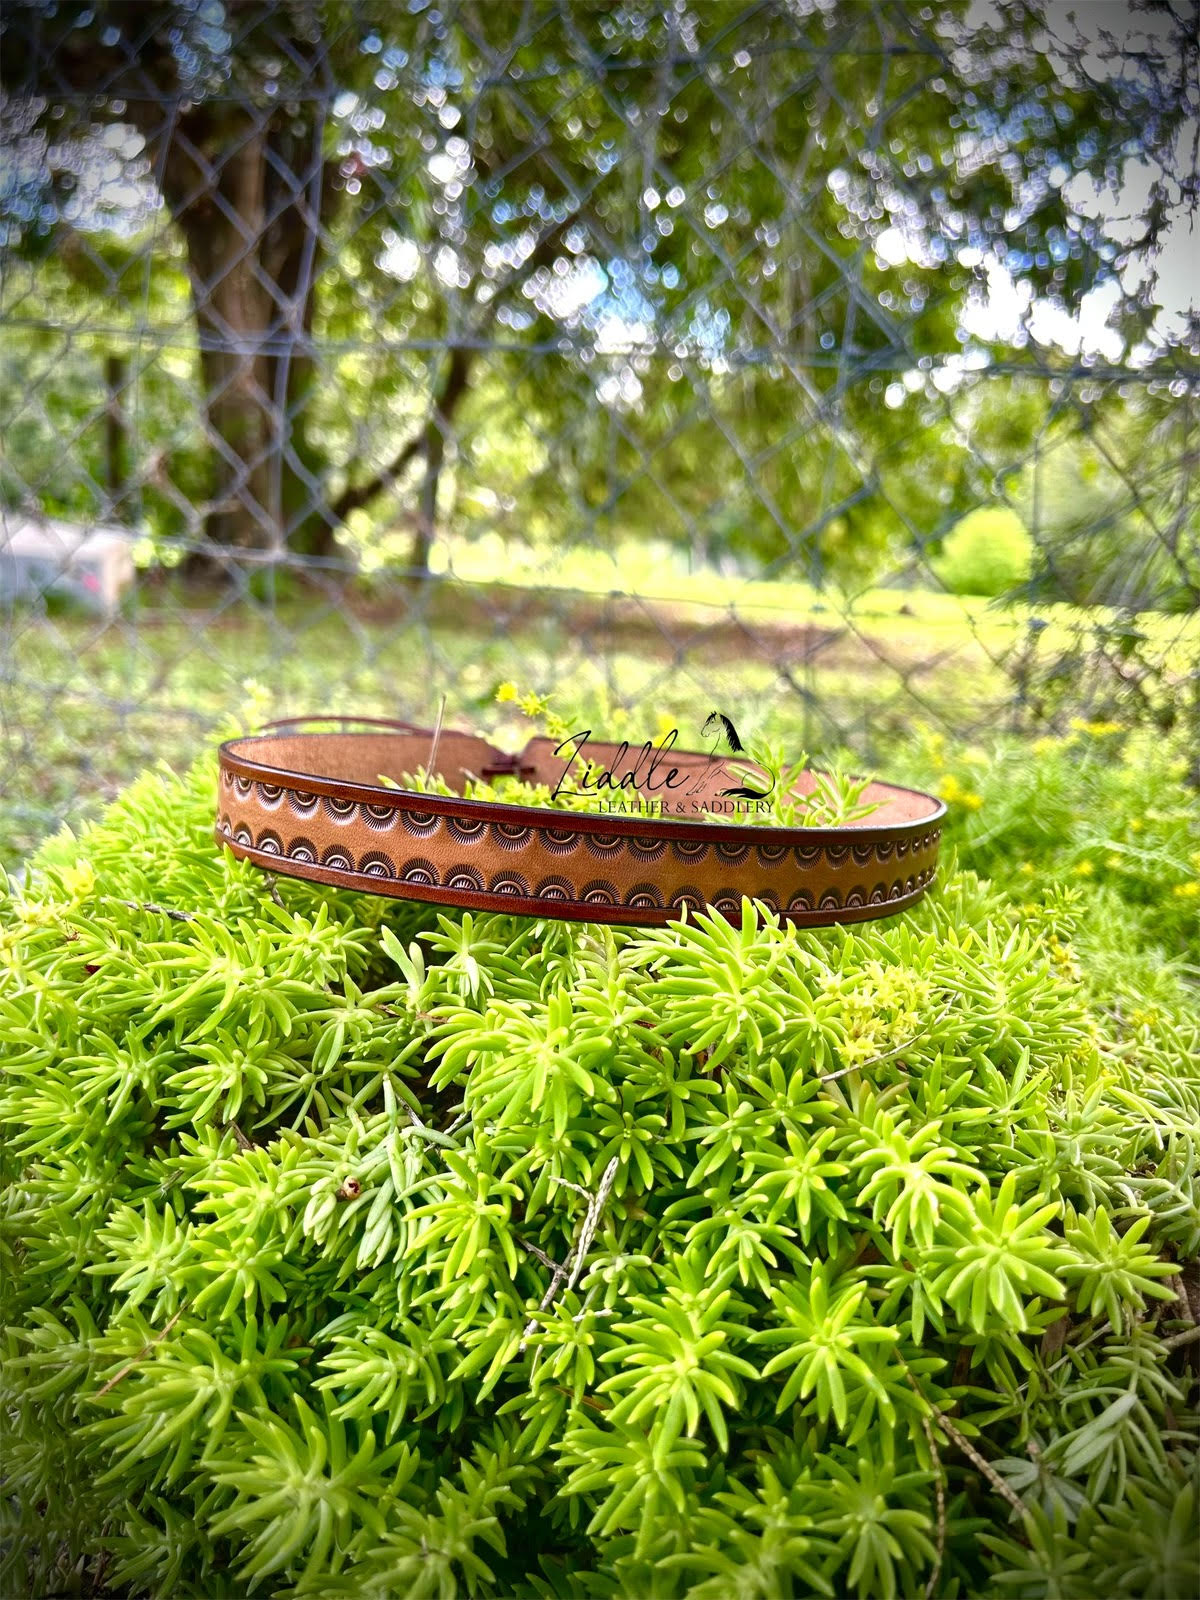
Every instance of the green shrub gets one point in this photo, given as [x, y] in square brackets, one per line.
[352, 1248]
[1108, 531]
[988, 552]
[1104, 812]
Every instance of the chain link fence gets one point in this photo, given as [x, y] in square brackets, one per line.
[790, 358]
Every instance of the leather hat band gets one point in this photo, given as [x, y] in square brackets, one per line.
[310, 805]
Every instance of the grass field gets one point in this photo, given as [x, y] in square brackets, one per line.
[87, 704]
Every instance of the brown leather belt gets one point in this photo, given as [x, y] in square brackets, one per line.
[309, 805]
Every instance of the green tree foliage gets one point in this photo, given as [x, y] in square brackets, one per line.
[356, 1248]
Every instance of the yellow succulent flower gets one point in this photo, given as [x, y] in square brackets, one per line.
[533, 705]
[507, 692]
[954, 793]
[78, 880]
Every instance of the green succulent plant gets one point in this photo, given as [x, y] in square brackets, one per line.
[353, 1247]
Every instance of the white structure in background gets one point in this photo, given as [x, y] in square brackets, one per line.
[40, 556]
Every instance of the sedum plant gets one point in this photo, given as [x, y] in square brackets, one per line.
[355, 1248]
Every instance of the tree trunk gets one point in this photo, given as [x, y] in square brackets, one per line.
[445, 404]
[301, 191]
[247, 185]
[252, 250]
[233, 314]
[116, 432]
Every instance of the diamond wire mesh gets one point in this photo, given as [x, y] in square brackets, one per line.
[640, 356]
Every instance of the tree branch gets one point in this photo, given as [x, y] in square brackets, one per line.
[143, 1352]
[352, 498]
[454, 386]
[568, 1272]
[957, 1437]
[940, 1487]
[162, 911]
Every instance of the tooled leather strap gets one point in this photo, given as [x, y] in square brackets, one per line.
[310, 805]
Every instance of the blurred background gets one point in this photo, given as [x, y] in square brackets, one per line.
[832, 364]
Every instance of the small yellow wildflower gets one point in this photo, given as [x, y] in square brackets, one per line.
[664, 725]
[78, 880]
[1096, 730]
[1136, 824]
[37, 913]
[1187, 891]
[1044, 747]
[1027, 868]
[1084, 869]
[507, 692]
[533, 705]
[953, 793]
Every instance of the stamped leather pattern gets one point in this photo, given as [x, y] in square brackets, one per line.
[548, 862]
